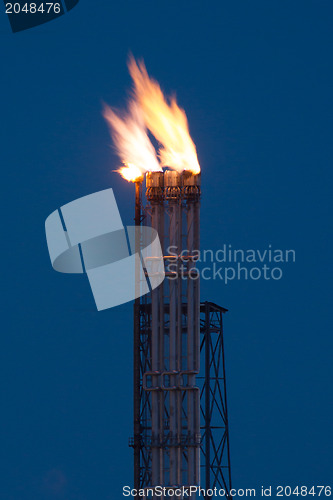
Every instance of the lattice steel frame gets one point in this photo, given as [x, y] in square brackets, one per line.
[180, 429]
[215, 451]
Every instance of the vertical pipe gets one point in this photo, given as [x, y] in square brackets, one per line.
[175, 284]
[192, 194]
[136, 344]
[196, 342]
[179, 393]
[156, 410]
[172, 195]
[161, 334]
[154, 182]
[190, 351]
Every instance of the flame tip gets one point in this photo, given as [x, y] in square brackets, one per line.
[150, 109]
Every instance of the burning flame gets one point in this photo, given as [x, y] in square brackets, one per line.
[130, 172]
[132, 143]
[166, 121]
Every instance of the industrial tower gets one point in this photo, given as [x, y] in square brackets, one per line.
[180, 407]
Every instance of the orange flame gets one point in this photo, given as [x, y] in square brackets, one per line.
[167, 122]
[131, 173]
[132, 143]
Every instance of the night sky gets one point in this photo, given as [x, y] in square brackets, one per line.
[255, 79]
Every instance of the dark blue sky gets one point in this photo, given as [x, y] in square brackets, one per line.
[256, 81]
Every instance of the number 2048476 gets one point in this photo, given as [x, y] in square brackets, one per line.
[303, 491]
[33, 8]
